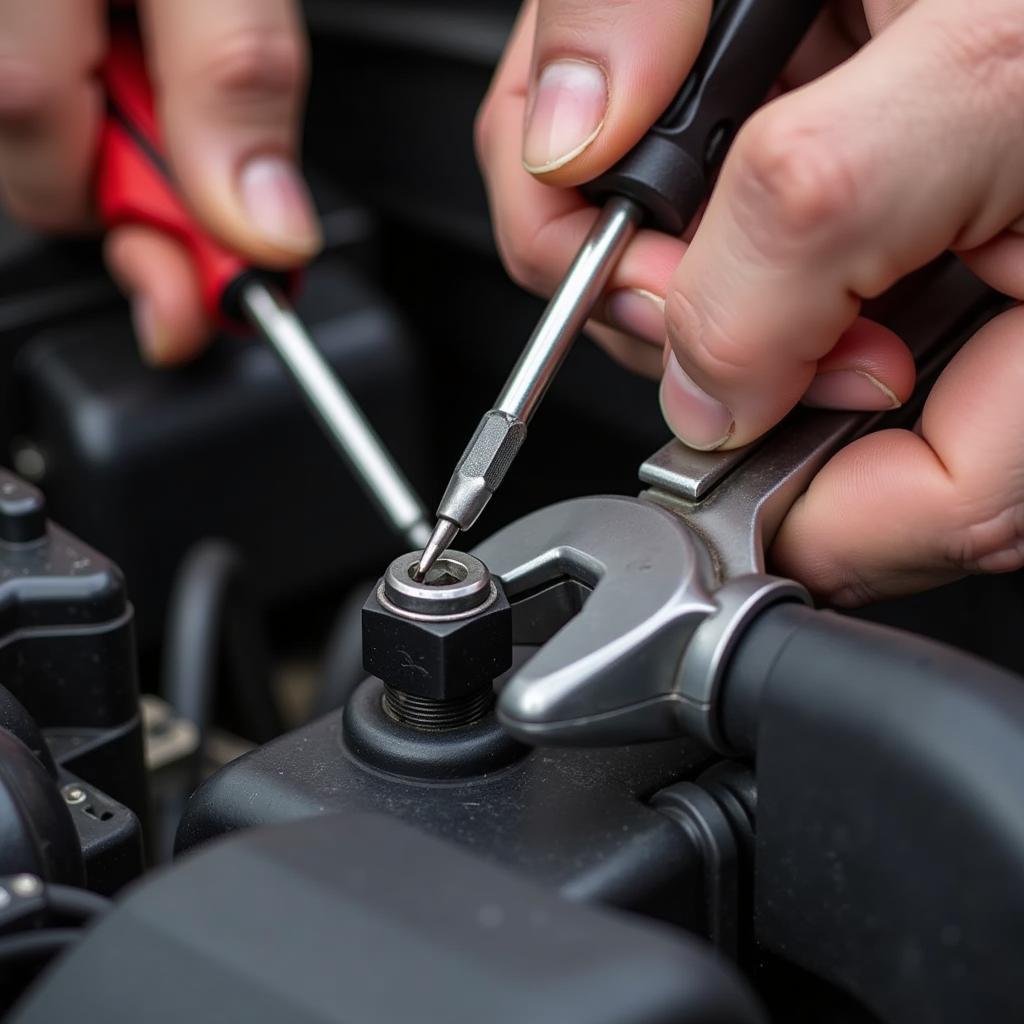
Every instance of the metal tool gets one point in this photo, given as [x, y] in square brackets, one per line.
[135, 186]
[637, 603]
[662, 182]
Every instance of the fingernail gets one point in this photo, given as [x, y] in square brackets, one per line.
[850, 389]
[278, 204]
[638, 312]
[147, 331]
[566, 113]
[697, 419]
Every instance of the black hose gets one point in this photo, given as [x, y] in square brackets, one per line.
[43, 944]
[890, 838]
[213, 629]
[342, 664]
[76, 904]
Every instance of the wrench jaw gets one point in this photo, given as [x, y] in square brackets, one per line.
[623, 690]
[633, 628]
[639, 580]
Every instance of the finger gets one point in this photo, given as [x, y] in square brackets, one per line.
[539, 229]
[833, 193]
[50, 107]
[869, 369]
[1000, 262]
[897, 512]
[230, 80]
[828, 42]
[167, 309]
[635, 355]
[602, 72]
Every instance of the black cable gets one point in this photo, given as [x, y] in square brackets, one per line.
[76, 904]
[194, 625]
[210, 624]
[36, 945]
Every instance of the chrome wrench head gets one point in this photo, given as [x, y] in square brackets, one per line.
[609, 670]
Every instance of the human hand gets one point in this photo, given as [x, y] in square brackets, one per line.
[893, 153]
[229, 79]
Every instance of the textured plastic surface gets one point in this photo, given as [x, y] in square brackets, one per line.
[669, 172]
[67, 655]
[36, 831]
[890, 839]
[362, 920]
[575, 820]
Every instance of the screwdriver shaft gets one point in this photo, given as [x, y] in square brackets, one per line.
[342, 419]
[502, 430]
[569, 309]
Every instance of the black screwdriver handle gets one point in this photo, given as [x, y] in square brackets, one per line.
[669, 172]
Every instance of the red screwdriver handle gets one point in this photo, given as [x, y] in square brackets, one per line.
[135, 184]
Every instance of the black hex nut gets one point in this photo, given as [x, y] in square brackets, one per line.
[440, 660]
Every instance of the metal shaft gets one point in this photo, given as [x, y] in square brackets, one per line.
[503, 429]
[569, 309]
[339, 415]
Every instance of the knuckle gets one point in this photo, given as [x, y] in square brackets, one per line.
[525, 260]
[989, 49]
[793, 179]
[523, 268]
[254, 64]
[989, 542]
[702, 334]
[27, 92]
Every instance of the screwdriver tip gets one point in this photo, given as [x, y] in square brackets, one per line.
[444, 533]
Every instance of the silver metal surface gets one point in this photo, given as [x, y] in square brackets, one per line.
[738, 602]
[442, 537]
[502, 430]
[74, 794]
[458, 585]
[609, 671]
[689, 473]
[482, 467]
[337, 411]
[569, 308]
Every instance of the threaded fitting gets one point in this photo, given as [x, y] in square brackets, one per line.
[431, 715]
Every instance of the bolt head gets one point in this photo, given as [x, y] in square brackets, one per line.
[435, 659]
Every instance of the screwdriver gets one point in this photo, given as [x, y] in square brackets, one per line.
[661, 183]
[135, 186]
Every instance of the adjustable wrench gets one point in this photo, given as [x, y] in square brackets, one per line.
[637, 603]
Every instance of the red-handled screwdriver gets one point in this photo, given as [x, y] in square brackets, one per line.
[135, 186]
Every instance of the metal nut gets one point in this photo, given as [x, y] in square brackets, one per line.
[437, 658]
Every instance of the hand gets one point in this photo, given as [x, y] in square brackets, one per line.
[229, 79]
[894, 152]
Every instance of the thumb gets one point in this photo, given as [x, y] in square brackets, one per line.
[603, 71]
[230, 80]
